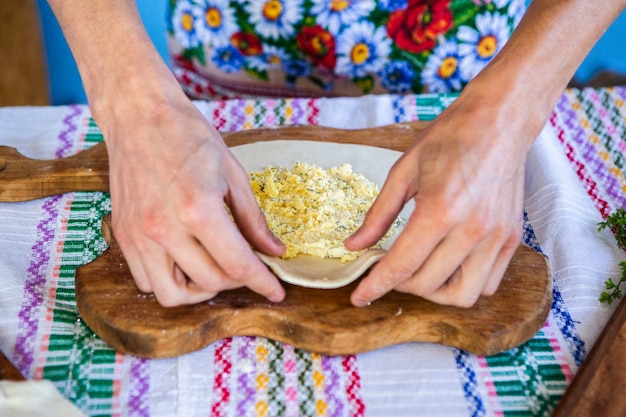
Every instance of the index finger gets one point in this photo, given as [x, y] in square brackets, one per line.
[232, 253]
[406, 256]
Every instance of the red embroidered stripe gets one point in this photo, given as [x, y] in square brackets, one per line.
[223, 369]
[356, 406]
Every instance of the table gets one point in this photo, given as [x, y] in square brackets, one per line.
[575, 178]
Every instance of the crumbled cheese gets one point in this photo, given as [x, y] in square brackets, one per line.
[313, 210]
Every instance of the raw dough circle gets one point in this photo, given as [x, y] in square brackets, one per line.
[373, 162]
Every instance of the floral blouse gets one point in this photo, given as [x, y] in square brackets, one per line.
[222, 48]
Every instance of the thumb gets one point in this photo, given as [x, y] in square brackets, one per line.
[379, 217]
[250, 218]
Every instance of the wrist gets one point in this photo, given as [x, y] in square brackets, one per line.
[498, 106]
[518, 98]
[122, 72]
[139, 88]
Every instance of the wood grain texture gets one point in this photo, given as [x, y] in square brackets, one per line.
[24, 179]
[597, 387]
[321, 321]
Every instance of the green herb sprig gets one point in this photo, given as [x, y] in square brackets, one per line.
[616, 223]
[613, 291]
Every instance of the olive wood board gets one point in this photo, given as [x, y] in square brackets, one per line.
[317, 320]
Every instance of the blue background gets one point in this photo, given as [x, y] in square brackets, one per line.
[66, 87]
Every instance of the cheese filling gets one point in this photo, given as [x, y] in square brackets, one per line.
[313, 210]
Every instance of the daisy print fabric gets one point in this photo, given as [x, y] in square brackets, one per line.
[334, 47]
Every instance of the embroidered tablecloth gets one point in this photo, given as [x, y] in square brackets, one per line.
[575, 178]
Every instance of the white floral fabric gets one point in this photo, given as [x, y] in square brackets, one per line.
[335, 47]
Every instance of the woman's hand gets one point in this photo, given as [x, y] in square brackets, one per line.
[466, 175]
[174, 185]
[466, 171]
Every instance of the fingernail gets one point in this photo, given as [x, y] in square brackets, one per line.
[278, 241]
[359, 302]
[348, 243]
[278, 296]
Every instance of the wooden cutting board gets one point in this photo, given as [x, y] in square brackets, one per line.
[322, 321]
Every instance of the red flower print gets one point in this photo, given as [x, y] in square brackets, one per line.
[416, 28]
[247, 43]
[319, 45]
[184, 62]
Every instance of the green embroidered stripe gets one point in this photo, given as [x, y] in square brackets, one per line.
[528, 380]
[306, 395]
[93, 134]
[259, 112]
[430, 105]
[279, 112]
[276, 391]
[78, 361]
[609, 138]
[80, 364]
[595, 122]
[615, 102]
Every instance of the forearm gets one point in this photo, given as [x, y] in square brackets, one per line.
[543, 54]
[115, 56]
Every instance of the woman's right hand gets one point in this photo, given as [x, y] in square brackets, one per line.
[174, 183]
[174, 186]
